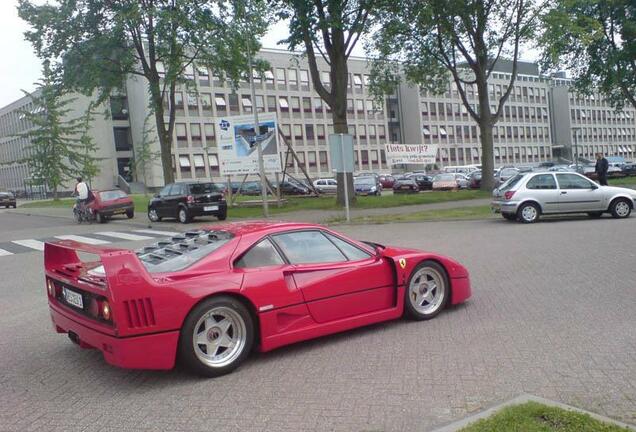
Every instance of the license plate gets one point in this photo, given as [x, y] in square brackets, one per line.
[406, 187]
[119, 211]
[210, 208]
[73, 298]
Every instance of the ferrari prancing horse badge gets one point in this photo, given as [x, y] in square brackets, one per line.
[402, 262]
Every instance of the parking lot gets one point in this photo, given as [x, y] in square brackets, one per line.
[552, 315]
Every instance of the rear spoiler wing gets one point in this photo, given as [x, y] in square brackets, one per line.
[123, 271]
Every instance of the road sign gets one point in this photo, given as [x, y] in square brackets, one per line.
[341, 152]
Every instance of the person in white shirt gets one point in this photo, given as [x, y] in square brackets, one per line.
[81, 190]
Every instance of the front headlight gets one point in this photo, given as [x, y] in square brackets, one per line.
[373, 189]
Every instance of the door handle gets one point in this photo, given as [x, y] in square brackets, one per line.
[563, 192]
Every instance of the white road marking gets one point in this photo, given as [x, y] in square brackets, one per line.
[82, 239]
[5, 252]
[30, 243]
[164, 233]
[124, 236]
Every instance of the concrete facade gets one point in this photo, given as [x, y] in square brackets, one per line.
[537, 124]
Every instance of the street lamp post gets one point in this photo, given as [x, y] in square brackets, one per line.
[259, 150]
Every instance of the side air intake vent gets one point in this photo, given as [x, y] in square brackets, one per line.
[139, 313]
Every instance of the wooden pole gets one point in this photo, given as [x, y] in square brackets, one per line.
[295, 156]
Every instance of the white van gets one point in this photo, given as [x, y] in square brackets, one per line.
[462, 169]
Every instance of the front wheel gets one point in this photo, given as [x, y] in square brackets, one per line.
[427, 292]
[620, 208]
[222, 216]
[153, 216]
[216, 336]
[130, 214]
[528, 213]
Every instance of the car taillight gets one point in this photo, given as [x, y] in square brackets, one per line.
[509, 194]
[50, 287]
[105, 310]
[190, 199]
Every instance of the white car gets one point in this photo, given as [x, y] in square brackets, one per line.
[327, 185]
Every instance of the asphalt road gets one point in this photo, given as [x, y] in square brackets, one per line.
[552, 315]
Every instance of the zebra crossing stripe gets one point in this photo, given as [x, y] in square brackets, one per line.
[162, 233]
[30, 243]
[124, 236]
[82, 239]
[5, 252]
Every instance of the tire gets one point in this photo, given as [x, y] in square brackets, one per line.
[509, 216]
[182, 215]
[595, 215]
[620, 208]
[528, 213]
[130, 214]
[100, 218]
[222, 216]
[231, 323]
[421, 302]
[153, 216]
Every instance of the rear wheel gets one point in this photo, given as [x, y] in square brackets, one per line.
[100, 218]
[216, 336]
[222, 216]
[182, 215]
[153, 215]
[427, 292]
[528, 213]
[620, 208]
[130, 214]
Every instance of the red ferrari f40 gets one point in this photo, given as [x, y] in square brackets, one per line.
[210, 296]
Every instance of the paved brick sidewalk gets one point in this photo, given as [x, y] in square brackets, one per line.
[552, 315]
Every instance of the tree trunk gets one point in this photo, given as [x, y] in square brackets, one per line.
[340, 126]
[339, 77]
[487, 162]
[165, 136]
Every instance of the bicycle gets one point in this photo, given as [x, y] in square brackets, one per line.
[82, 213]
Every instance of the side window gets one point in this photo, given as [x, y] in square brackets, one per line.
[573, 181]
[352, 252]
[263, 254]
[178, 189]
[543, 181]
[308, 247]
[165, 191]
[321, 182]
[333, 183]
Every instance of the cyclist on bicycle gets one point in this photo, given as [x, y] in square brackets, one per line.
[84, 195]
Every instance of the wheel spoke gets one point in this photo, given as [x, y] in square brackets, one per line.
[202, 338]
[212, 348]
[226, 341]
[224, 324]
[209, 322]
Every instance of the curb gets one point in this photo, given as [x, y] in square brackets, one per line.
[459, 424]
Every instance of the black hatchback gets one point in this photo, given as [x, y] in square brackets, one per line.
[184, 201]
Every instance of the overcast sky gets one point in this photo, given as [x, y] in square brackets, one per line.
[20, 68]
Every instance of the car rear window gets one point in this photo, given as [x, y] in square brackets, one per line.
[511, 182]
[181, 251]
[204, 188]
[112, 195]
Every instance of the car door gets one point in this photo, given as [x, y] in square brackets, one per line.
[543, 189]
[336, 278]
[578, 194]
[332, 185]
[178, 194]
[160, 200]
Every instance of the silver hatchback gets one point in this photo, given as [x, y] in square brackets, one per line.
[526, 197]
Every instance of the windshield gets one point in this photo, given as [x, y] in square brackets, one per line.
[203, 188]
[444, 177]
[364, 181]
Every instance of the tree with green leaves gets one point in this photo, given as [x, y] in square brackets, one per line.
[100, 43]
[328, 30]
[59, 148]
[144, 157]
[430, 42]
[88, 165]
[595, 41]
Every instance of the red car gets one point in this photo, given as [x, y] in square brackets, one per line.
[209, 296]
[111, 202]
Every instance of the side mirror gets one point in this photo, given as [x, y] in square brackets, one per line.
[594, 187]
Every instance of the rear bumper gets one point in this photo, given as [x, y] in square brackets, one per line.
[461, 290]
[199, 209]
[504, 206]
[152, 351]
[106, 211]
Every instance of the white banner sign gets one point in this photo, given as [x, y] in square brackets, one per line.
[237, 142]
[411, 153]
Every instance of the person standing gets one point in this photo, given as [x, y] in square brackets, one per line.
[601, 168]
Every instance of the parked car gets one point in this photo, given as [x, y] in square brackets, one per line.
[366, 186]
[474, 179]
[7, 199]
[211, 296]
[109, 203]
[629, 169]
[293, 188]
[251, 188]
[462, 181]
[446, 181]
[424, 182]
[405, 185]
[327, 185]
[527, 197]
[185, 201]
[387, 180]
[504, 174]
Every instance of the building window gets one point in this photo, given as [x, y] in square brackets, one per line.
[360, 106]
[293, 77]
[247, 103]
[184, 165]
[304, 78]
[213, 161]
[311, 156]
[286, 129]
[271, 103]
[295, 104]
[284, 105]
[298, 132]
[233, 100]
[123, 141]
[195, 134]
[208, 128]
[206, 103]
[182, 135]
[357, 81]
[260, 104]
[199, 165]
[269, 77]
[219, 100]
[178, 101]
[193, 104]
[318, 104]
[320, 131]
[119, 107]
[325, 78]
[280, 76]
[381, 132]
[309, 132]
[306, 104]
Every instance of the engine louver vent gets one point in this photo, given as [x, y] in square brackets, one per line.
[139, 313]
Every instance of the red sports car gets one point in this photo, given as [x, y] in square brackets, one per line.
[209, 296]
